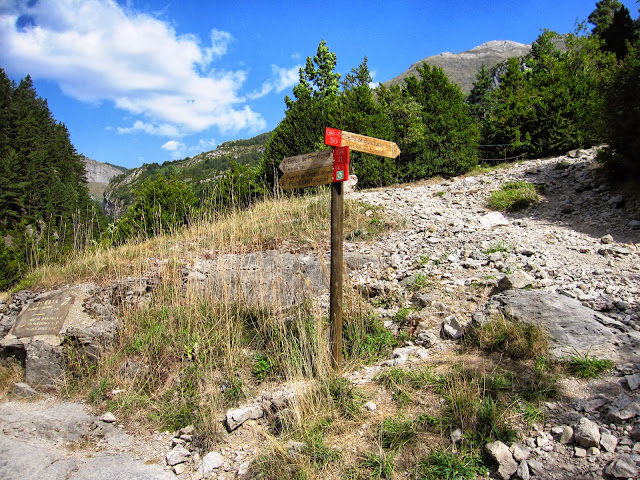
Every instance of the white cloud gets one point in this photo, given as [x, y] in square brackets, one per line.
[282, 78]
[98, 50]
[219, 43]
[173, 145]
[164, 130]
[180, 150]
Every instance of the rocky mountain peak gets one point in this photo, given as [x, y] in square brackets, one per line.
[461, 68]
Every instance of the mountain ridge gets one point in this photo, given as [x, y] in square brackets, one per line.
[461, 68]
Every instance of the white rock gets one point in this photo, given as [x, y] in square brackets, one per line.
[633, 381]
[608, 442]
[108, 418]
[520, 452]
[515, 280]
[493, 219]
[211, 461]
[237, 416]
[523, 471]
[501, 454]
[622, 467]
[451, 327]
[371, 406]
[177, 455]
[587, 433]
[567, 435]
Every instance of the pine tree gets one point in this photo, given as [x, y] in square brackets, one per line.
[44, 199]
[314, 108]
[602, 16]
[480, 94]
[621, 31]
[434, 129]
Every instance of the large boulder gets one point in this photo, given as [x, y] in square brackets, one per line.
[271, 277]
[571, 326]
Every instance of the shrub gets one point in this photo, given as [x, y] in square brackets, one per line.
[162, 206]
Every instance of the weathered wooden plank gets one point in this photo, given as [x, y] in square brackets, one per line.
[307, 178]
[307, 161]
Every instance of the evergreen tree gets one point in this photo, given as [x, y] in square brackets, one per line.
[314, 108]
[361, 113]
[480, 94]
[434, 129]
[619, 33]
[602, 16]
[45, 209]
[622, 112]
[550, 104]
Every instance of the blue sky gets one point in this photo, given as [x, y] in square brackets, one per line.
[143, 81]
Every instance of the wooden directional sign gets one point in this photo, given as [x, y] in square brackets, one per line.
[375, 146]
[307, 178]
[307, 161]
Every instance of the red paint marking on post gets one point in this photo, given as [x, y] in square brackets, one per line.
[341, 155]
[332, 136]
[341, 164]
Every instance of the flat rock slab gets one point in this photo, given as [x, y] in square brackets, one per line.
[573, 328]
[37, 440]
[58, 422]
[20, 460]
[268, 278]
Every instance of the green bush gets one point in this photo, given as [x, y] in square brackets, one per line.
[622, 112]
[162, 205]
[237, 188]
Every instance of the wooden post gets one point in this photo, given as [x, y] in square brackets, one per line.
[335, 289]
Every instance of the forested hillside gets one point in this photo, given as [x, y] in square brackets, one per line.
[201, 172]
[45, 209]
[550, 101]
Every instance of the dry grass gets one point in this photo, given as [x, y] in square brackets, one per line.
[515, 339]
[289, 224]
[192, 351]
[9, 375]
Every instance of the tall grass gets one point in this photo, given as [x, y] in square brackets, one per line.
[190, 349]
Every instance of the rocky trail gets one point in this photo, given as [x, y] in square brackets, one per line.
[570, 263]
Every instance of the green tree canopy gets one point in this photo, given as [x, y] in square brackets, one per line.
[162, 205]
[315, 107]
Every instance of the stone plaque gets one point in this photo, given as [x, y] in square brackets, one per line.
[43, 317]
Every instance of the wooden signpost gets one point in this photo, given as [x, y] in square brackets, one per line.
[332, 166]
